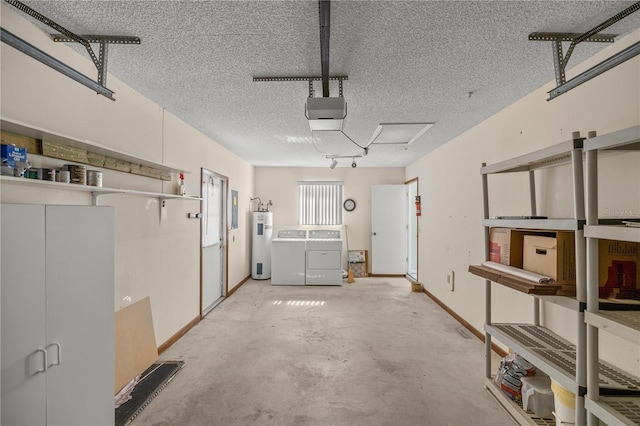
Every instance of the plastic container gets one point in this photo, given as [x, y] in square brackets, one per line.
[565, 405]
[63, 176]
[537, 395]
[182, 190]
[94, 178]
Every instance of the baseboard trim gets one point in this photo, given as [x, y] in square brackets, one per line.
[233, 290]
[497, 349]
[166, 345]
[387, 275]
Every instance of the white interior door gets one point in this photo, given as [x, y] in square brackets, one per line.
[213, 239]
[412, 230]
[388, 229]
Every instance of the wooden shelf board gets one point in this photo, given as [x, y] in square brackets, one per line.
[513, 282]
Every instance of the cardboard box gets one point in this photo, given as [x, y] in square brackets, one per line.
[356, 256]
[618, 266]
[505, 246]
[135, 342]
[554, 257]
[12, 154]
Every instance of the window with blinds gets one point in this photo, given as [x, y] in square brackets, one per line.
[320, 203]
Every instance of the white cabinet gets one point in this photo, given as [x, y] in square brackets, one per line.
[57, 315]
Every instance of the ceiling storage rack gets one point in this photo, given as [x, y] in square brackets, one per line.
[611, 409]
[100, 60]
[561, 60]
[562, 361]
[20, 128]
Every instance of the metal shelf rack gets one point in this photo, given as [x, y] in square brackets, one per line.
[562, 361]
[624, 324]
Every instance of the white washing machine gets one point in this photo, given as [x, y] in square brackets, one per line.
[324, 257]
[288, 257]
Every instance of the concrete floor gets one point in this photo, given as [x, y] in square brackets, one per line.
[369, 353]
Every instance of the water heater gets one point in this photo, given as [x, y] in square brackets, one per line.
[261, 253]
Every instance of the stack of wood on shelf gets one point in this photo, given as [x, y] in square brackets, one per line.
[514, 282]
[54, 149]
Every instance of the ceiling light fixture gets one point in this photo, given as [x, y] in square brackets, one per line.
[334, 163]
[399, 133]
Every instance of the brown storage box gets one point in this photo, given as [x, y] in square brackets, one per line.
[618, 265]
[505, 246]
[554, 257]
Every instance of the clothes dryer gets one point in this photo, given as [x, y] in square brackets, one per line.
[324, 257]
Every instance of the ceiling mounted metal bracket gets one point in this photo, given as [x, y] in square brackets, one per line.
[100, 61]
[560, 61]
[313, 78]
[339, 79]
[104, 41]
[606, 65]
[39, 55]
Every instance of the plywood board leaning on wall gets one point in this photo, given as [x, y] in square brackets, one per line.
[135, 347]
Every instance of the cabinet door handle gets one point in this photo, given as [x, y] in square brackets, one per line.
[44, 358]
[57, 345]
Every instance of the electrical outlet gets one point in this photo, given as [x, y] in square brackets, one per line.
[450, 279]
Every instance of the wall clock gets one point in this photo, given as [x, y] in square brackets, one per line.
[349, 205]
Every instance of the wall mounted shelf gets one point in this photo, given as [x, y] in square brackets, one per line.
[94, 190]
[24, 129]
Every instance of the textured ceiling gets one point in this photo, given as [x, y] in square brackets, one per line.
[406, 62]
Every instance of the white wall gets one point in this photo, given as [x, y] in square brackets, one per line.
[280, 186]
[451, 232]
[157, 249]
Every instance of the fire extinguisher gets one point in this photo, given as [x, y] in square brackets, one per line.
[418, 212]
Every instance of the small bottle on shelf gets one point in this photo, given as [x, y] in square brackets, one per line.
[181, 188]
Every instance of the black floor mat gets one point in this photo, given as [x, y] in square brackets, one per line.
[152, 381]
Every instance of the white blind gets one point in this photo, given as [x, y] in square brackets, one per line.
[320, 203]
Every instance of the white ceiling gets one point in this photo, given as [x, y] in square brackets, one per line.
[454, 63]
